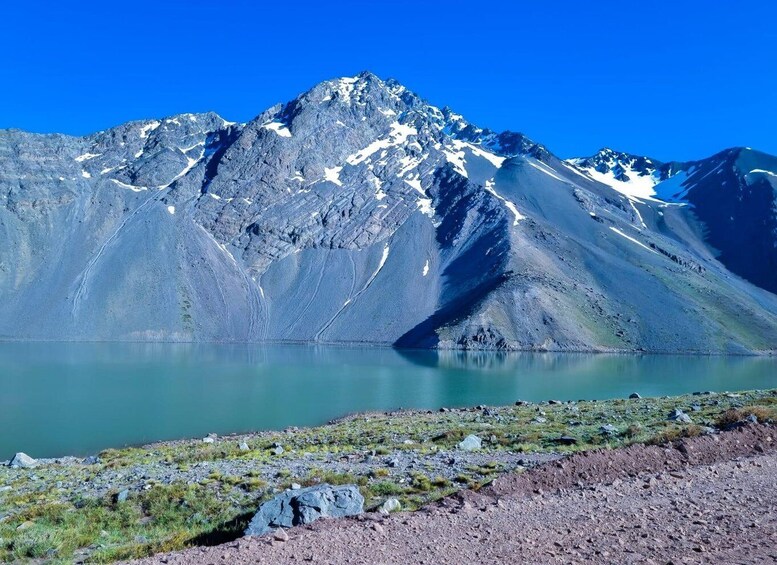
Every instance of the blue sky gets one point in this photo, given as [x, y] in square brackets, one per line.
[673, 80]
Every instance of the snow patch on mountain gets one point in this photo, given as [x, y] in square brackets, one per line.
[397, 136]
[278, 127]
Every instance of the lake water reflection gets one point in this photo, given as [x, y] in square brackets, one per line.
[78, 398]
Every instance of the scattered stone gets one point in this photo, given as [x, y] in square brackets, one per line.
[539, 420]
[554, 402]
[122, 495]
[695, 408]
[608, 429]
[92, 460]
[296, 486]
[281, 535]
[444, 409]
[299, 507]
[678, 415]
[22, 461]
[208, 440]
[634, 396]
[391, 505]
[277, 450]
[752, 418]
[521, 403]
[566, 440]
[377, 527]
[243, 446]
[470, 443]
[25, 525]
[408, 442]
[394, 462]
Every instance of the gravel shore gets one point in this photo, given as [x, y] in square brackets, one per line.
[701, 500]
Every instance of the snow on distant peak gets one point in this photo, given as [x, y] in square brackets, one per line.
[397, 136]
[278, 127]
[458, 151]
[333, 175]
[632, 176]
[86, 157]
[149, 127]
[517, 216]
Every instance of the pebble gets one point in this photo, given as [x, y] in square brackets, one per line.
[391, 505]
[634, 396]
[280, 535]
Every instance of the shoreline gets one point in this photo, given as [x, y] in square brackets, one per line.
[392, 347]
[174, 494]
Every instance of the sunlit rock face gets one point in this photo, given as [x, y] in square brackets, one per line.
[359, 213]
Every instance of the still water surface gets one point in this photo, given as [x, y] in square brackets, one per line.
[79, 398]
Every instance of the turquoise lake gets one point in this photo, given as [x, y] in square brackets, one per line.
[78, 398]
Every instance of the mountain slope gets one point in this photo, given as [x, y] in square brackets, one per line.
[359, 213]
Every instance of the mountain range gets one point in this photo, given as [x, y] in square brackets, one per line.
[360, 213]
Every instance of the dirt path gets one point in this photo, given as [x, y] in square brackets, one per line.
[706, 500]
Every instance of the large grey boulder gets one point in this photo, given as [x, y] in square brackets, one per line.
[303, 506]
[22, 461]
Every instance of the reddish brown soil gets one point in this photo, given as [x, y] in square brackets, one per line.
[703, 500]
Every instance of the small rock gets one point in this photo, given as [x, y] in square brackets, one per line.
[122, 495]
[281, 535]
[634, 396]
[277, 450]
[243, 446]
[408, 442]
[695, 408]
[539, 420]
[752, 418]
[296, 486]
[566, 440]
[391, 505]
[470, 443]
[22, 461]
[444, 409]
[678, 415]
[393, 462]
[25, 525]
[377, 527]
[208, 440]
[554, 402]
[608, 429]
[91, 460]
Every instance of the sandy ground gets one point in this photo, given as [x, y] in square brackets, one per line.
[705, 500]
